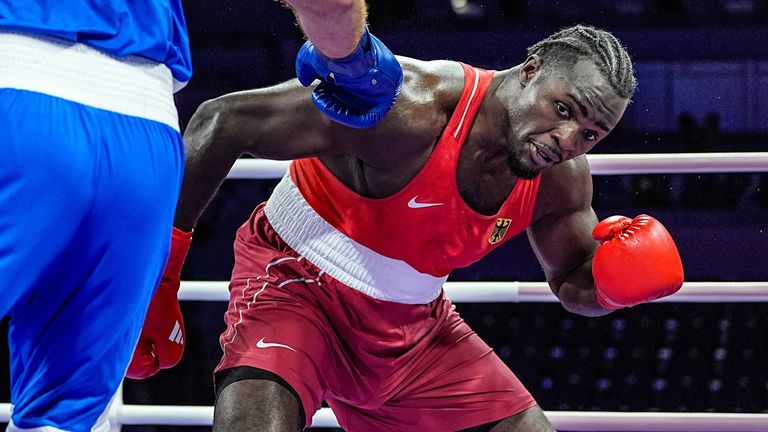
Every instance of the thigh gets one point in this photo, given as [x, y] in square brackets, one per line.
[274, 324]
[458, 382]
[72, 333]
[251, 404]
[530, 420]
[64, 163]
[46, 190]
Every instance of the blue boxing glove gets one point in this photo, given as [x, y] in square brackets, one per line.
[357, 90]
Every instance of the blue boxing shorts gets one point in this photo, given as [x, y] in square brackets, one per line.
[91, 168]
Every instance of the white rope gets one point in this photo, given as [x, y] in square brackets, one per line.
[562, 420]
[678, 163]
[648, 422]
[510, 292]
[602, 164]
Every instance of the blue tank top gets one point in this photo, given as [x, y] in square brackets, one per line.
[154, 29]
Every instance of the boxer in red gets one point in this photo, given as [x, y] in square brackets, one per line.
[336, 291]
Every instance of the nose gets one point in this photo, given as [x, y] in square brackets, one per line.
[566, 136]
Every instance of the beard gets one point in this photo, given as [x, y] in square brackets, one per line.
[519, 169]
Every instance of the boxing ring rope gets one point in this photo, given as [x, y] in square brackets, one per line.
[600, 164]
[507, 292]
[169, 415]
[519, 292]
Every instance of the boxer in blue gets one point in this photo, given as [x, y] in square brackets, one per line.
[92, 162]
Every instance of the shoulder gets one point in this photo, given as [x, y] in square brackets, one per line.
[564, 188]
[440, 81]
[430, 92]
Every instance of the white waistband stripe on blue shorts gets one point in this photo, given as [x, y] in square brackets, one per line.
[132, 85]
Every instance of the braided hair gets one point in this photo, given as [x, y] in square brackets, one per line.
[569, 45]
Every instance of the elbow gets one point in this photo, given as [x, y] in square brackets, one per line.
[207, 125]
[580, 301]
[201, 121]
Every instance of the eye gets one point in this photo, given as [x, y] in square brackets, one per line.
[590, 135]
[562, 110]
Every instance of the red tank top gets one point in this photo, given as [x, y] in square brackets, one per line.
[427, 224]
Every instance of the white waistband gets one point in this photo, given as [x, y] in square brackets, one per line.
[343, 258]
[132, 85]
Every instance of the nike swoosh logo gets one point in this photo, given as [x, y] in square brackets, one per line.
[262, 344]
[413, 204]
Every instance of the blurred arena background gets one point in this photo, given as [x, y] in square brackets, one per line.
[702, 68]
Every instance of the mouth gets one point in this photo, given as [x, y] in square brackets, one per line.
[543, 155]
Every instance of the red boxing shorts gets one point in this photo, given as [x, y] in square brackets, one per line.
[380, 365]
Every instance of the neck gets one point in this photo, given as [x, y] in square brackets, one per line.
[487, 141]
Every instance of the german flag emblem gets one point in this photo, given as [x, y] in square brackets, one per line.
[499, 230]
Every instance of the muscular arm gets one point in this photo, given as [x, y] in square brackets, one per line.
[281, 123]
[334, 26]
[277, 122]
[561, 235]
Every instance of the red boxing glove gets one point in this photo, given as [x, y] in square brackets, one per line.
[161, 343]
[637, 262]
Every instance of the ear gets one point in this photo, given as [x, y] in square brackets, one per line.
[529, 69]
